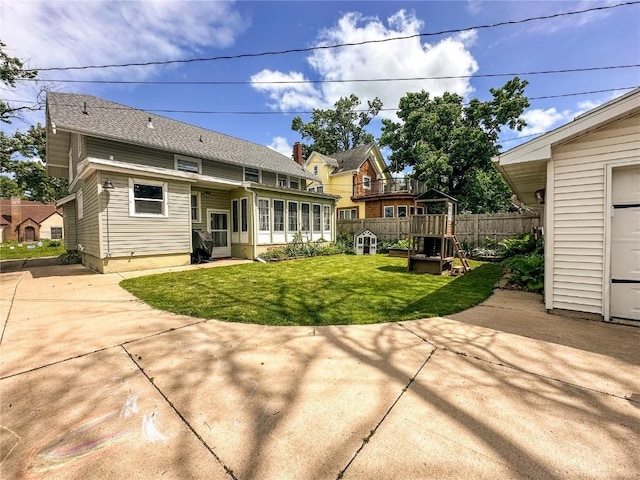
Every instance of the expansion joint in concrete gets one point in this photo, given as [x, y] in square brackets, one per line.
[184, 420]
[366, 439]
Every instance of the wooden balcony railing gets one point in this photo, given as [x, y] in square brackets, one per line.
[391, 186]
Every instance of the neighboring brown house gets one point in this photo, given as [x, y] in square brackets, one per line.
[29, 221]
[365, 186]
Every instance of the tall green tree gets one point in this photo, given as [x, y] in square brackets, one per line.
[22, 174]
[337, 130]
[449, 145]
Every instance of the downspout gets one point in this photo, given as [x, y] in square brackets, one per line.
[254, 230]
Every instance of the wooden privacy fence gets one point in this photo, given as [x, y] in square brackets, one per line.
[474, 229]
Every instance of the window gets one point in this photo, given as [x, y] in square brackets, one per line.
[402, 211]
[327, 217]
[244, 215]
[263, 215]
[278, 216]
[186, 164]
[293, 217]
[366, 182]
[315, 169]
[317, 222]
[311, 189]
[251, 175]
[305, 214]
[420, 211]
[283, 181]
[388, 212]
[234, 216]
[294, 183]
[147, 198]
[348, 214]
[56, 233]
[195, 207]
[80, 204]
[320, 189]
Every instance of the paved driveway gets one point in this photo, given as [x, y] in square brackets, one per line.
[95, 384]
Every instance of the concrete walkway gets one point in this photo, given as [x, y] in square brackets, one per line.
[96, 384]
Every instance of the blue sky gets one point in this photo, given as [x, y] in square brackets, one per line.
[65, 33]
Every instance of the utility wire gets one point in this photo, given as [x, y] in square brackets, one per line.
[328, 47]
[360, 80]
[301, 112]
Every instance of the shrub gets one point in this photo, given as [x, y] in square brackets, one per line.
[527, 271]
[299, 248]
[52, 243]
[344, 242]
[70, 258]
[523, 244]
[385, 245]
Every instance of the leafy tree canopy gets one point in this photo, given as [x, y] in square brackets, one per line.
[19, 175]
[449, 145]
[337, 130]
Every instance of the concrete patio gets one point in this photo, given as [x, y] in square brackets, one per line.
[96, 384]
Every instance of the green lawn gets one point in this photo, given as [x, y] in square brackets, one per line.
[20, 252]
[333, 290]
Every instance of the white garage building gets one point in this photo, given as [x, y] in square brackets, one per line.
[586, 177]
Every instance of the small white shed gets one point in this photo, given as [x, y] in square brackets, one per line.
[365, 242]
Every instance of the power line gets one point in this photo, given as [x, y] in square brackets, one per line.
[328, 47]
[301, 112]
[360, 80]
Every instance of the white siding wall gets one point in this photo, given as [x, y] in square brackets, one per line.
[54, 220]
[88, 234]
[134, 236]
[578, 209]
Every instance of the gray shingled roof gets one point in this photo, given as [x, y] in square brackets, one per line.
[118, 122]
[352, 159]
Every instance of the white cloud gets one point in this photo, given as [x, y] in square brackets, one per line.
[70, 33]
[409, 58]
[540, 121]
[474, 7]
[280, 144]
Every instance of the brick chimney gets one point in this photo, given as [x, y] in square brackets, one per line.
[297, 153]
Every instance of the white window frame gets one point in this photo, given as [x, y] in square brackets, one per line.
[264, 235]
[315, 169]
[352, 213]
[308, 230]
[279, 236]
[366, 182]
[253, 170]
[326, 222]
[320, 189]
[405, 211]
[80, 204]
[291, 232]
[196, 161]
[154, 183]
[244, 220]
[295, 180]
[316, 234]
[384, 211]
[198, 218]
[280, 176]
[235, 221]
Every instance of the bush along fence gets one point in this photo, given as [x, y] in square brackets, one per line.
[474, 229]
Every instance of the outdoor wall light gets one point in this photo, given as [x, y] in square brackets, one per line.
[107, 185]
[540, 196]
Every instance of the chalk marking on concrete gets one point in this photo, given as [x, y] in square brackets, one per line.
[150, 431]
[182, 417]
[4, 441]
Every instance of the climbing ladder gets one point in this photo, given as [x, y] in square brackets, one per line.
[460, 252]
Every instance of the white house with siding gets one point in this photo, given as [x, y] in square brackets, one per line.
[585, 176]
[141, 184]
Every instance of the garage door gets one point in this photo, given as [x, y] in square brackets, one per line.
[625, 244]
